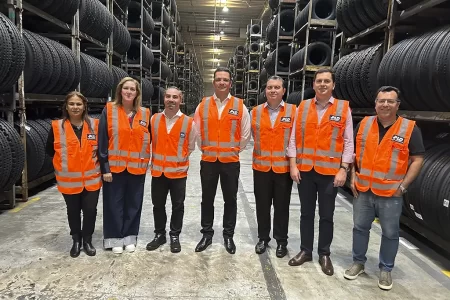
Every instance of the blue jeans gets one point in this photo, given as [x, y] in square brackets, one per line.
[388, 210]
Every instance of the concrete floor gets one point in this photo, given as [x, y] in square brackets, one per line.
[35, 261]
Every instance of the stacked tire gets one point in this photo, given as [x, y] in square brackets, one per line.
[12, 53]
[319, 54]
[61, 9]
[419, 68]
[97, 79]
[12, 156]
[356, 76]
[96, 20]
[353, 16]
[50, 67]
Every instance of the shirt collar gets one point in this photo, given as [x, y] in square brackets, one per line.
[279, 105]
[178, 114]
[217, 99]
[331, 100]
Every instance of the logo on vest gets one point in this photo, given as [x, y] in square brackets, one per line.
[91, 137]
[335, 118]
[233, 112]
[398, 139]
[285, 120]
[182, 135]
[143, 123]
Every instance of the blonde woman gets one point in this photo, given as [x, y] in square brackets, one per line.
[124, 154]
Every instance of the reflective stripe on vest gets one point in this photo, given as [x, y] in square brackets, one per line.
[179, 158]
[311, 151]
[276, 154]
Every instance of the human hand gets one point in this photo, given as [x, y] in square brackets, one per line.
[107, 177]
[340, 178]
[295, 175]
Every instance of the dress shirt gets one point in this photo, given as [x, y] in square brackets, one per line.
[245, 122]
[169, 125]
[347, 154]
[273, 112]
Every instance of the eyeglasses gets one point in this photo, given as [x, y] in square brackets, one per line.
[388, 101]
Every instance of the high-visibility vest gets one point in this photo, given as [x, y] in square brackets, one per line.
[170, 151]
[129, 147]
[269, 150]
[76, 166]
[220, 137]
[320, 145]
[382, 166]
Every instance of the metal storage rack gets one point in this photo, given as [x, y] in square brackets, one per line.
[137, 69]
[386, 31]
[253, 67]
[391, 26]
[71, 32]
[301, 38]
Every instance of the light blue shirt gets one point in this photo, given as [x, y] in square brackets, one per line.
[273, 112]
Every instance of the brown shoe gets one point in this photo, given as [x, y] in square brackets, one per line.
[300, 258]
[326, 264]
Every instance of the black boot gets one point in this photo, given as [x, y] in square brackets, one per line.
[76, 247]
[87, 246]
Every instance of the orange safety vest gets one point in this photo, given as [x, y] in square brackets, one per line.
[382, 166]
[270, 143]
[129, 146]
[170, 151]
[76, 166]
[220, 137]
[320, 146]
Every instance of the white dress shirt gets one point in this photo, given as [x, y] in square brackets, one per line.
[169, 125]
[245, 122]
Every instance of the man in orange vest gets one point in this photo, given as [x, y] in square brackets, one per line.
[271, 129]
[223, 125]
[389, 156]
[173, 140]
[320, 151]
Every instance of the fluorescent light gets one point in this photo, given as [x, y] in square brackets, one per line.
[223, 21]
[225, 9]
[222, 32]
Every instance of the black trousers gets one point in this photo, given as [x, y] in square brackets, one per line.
[229, 178]
[122, 206]
[272, 188]
[311, 185]
[85, 201]
[160, 188]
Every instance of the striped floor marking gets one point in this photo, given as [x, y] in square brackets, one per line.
[24, 204]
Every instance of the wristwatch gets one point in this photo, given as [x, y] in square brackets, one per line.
[345, 168]
[403, 189]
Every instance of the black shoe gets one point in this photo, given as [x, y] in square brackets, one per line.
[76, 246]
[175, 246]
[281, 251]
[158, 240]
[260, 247]
[229, 245]
[203, 244]
[87, 246]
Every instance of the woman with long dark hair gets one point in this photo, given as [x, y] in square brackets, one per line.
[124, 152]
[72, 142]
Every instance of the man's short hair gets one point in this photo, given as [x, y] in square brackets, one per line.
[389, 88]
[223, 69]
[325, 70]
[276, 77]
[176, 88]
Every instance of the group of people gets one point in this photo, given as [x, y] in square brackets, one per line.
[313, 145]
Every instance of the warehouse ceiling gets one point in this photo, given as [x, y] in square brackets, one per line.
[203, 20]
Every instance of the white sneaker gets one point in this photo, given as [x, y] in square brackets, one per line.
[130, 248]
[117, 250]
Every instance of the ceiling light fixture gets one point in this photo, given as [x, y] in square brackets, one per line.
[222, 32]
[225, 9]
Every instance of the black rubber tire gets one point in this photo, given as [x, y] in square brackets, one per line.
[35, 151]
[96, 80]
[5, 160]
[96, 20]
[17, 57]
[319, 54]
[441, 73]
[353, 80]
[321, 10]
[43, 128]
[16, 150]
[5, 46]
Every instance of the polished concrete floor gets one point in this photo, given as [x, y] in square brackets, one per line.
[35, 261]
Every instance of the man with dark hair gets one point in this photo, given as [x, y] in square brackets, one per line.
[223, 125]
[389, 156]
[271, 128]
[320, 151]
